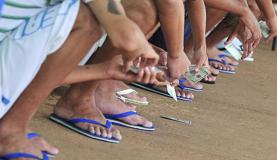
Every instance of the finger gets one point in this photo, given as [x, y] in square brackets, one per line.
[159, 83]
[257, 39]
[153, 75]
[250, 50]
[137, 61]
[143, 63]
[201, 63]
[140, 75]
[154, 57]
[245, 46]
[256, 43]
[147, 75]
[128, 77]
[155, 60]
[150, 63]
[127, 66]
[161, 77]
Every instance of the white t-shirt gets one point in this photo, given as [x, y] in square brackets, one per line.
[15, 12]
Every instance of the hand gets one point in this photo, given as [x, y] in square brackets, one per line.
[177, 66]
[250, 21]
[200, 58]
[147, 58]
[114, 70]
[132, 44]
[272, 24]
[245, 35]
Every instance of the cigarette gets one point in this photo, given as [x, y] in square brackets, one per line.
[188, 122]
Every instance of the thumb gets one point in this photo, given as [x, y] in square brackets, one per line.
[200, 64]
[127, 65]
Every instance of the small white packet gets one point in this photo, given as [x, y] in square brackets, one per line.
[234, 51]
[171, 91]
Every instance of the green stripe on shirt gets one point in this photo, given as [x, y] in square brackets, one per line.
[4, 30]
[19, 5]
[14, 17]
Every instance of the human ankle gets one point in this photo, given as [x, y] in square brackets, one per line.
[7, 129]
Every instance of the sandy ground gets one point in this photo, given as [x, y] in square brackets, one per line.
[236, 119]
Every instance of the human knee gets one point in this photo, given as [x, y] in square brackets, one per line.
[87, 22]
[142, 12]
[230, 21]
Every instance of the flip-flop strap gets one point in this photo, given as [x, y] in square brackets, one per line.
[108, 124]
[32, 135]
[181, 83]
[24, 155]
[121, 115]
[223, 56]
[221, 61]
[182, 80]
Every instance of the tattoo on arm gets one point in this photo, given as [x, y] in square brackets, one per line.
[112, 7]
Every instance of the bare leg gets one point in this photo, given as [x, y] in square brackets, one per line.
[14, 125]
[214, 16]
[84, 94]
[218, 34]
[217, 16]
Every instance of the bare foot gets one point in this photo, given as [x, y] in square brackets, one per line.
[184, 94]
[18, 143]
[107, 102]
[196, 86]
[42, 143]
[214, 52]
[212, 76]
[77, 104]
[120, 86]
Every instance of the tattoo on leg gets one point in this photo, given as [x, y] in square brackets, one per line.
[112, 7]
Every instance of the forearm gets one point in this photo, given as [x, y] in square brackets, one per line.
[171, 15]
[112, 17]
[107, 12]
[266, 8]
[197, 16]
[87, 73]
[238, 7]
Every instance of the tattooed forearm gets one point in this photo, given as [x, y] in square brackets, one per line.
[112, 7]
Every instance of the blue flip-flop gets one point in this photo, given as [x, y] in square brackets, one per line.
[115, 119]
[153, 89]
[13, 156]
[35, 135]
[30, 136]
[183, 87]
[222, 61]
[71, 124]
[227, 54]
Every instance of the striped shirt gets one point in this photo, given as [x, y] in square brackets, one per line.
[15, 12]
